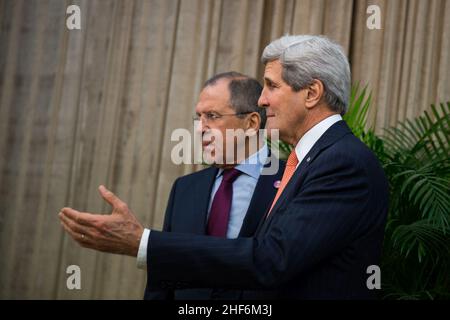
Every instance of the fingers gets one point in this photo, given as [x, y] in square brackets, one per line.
[79, 234]
[111, 198]
[73, 225]
[83, 218]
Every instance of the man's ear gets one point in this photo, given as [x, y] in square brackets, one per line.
[253, 123]
[314, 94]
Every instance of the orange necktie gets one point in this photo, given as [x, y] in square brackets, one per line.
[291, 164]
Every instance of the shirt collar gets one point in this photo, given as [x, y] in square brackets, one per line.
[252, 165]
[312, 135]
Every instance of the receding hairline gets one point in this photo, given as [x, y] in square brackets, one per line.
[227, 80]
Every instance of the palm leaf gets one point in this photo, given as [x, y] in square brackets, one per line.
[427, 186]
[423, 138]
[356, 115]
[416, 158]
[422, 237]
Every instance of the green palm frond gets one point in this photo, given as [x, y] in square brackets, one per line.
[415, 155]
[417, 162]
[426, 185]
[356, 116]
[423, 138]
[424, 238]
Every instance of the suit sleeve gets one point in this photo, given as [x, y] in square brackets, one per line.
[328, 211]
[158, 293]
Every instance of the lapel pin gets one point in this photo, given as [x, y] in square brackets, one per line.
[276, 184]
[309, 158]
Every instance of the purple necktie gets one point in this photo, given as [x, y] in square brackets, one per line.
[221, 205]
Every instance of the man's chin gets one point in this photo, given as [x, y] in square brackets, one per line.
[270, 123]
[270, 127]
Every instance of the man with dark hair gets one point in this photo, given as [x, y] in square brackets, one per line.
[227, 101]
[244, 93]
[229, 198]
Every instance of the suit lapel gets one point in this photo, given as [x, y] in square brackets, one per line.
[202, 193]
[263, 195]
[334, 133]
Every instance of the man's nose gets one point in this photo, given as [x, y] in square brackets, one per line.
[262, 101]
[199, 126]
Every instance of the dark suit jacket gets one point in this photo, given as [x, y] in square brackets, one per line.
[317, 243]
[187, 210]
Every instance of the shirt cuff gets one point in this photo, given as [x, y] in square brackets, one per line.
[142, 253]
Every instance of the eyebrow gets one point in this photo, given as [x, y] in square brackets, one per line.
[208, 111]
[268, 80]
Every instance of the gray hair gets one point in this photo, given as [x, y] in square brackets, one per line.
[305, 58]
[244, 93]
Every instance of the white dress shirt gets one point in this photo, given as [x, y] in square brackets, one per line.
[310, 138]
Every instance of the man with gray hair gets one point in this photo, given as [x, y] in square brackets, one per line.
[324, 229]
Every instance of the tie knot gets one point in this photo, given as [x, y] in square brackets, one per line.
[229, 175]
[292, 160]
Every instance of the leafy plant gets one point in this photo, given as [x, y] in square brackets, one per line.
[416, 159]
[356, 116]
[415, 155]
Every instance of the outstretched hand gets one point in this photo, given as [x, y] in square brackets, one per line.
[119, 232]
